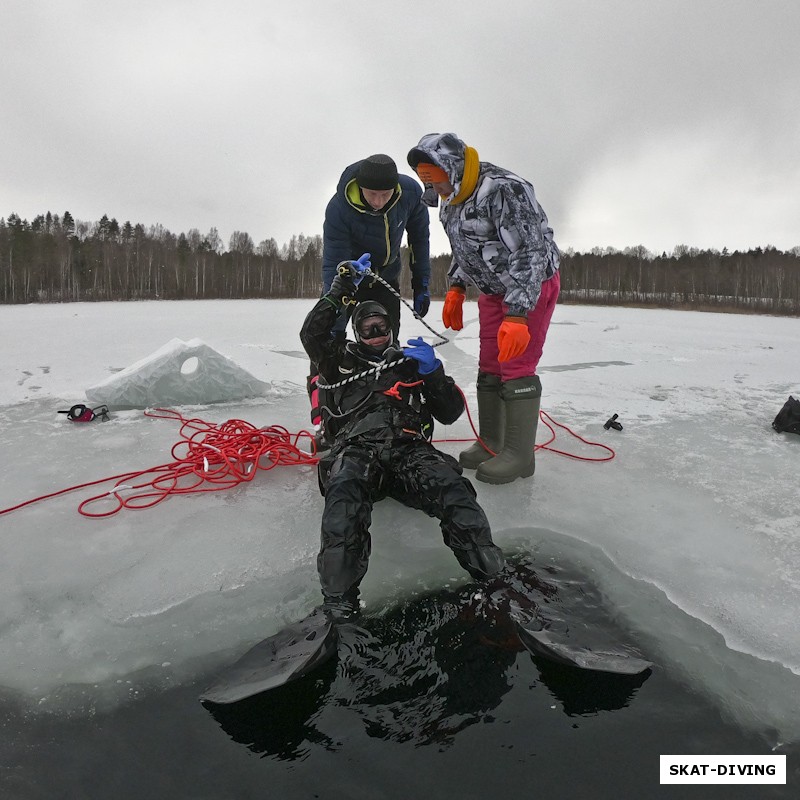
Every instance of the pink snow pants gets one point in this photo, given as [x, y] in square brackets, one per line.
[492, 309]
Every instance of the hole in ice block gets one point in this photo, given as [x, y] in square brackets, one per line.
[189, 367]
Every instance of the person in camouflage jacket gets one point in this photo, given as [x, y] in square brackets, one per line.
[503, 245]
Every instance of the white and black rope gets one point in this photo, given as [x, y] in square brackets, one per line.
[378, 368]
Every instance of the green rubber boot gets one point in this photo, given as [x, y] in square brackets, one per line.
[521, 398]
[490, 422]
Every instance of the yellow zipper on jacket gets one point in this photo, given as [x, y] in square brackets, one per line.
[353, 196]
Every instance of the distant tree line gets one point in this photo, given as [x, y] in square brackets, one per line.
[761, 279]
[59, 259]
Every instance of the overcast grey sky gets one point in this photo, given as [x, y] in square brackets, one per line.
[654, 122]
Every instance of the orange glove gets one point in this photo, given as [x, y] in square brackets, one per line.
[452, 314]
[512, 338]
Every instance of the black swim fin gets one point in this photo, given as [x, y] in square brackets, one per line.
[285, 656]
[614, 659]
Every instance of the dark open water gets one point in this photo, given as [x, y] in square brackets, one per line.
[441, 704]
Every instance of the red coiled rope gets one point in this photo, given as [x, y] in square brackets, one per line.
[211, 458]
[208, 458]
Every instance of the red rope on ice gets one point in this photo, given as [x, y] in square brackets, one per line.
[208, 458]
[549, 422]
[211, 458]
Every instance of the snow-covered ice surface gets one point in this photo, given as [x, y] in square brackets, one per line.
[692, 532]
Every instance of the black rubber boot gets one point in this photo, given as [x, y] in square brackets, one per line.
[521, 398]
[490, 422]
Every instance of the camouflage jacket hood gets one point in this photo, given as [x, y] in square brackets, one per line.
[445, 150]
[500, 236]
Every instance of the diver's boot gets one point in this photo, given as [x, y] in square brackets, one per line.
[342, 608]
[521, 398]
[490, 422]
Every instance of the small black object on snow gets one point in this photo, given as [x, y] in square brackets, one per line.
[612, 423]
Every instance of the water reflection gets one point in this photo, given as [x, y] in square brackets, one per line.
[429, 668]
[281, 722]
[584, 693]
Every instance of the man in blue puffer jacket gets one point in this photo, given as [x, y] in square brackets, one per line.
[372, 208]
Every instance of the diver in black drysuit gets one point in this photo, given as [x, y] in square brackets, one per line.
[381, 423]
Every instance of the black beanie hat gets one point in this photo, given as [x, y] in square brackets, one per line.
[377, 172]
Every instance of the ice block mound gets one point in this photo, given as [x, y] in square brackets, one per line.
[179, 373]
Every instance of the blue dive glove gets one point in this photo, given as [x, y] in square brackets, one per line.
[354, 271]
[423, 353]
[422, 302]
[361, 268]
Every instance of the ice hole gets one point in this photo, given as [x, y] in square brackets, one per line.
[189, 367]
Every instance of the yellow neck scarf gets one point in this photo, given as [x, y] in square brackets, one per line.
[472, 168]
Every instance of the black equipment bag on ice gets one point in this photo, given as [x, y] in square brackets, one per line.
[788, 419]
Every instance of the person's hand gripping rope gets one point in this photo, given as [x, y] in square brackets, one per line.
[423, 354]
[348, 275]
[360, 269]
